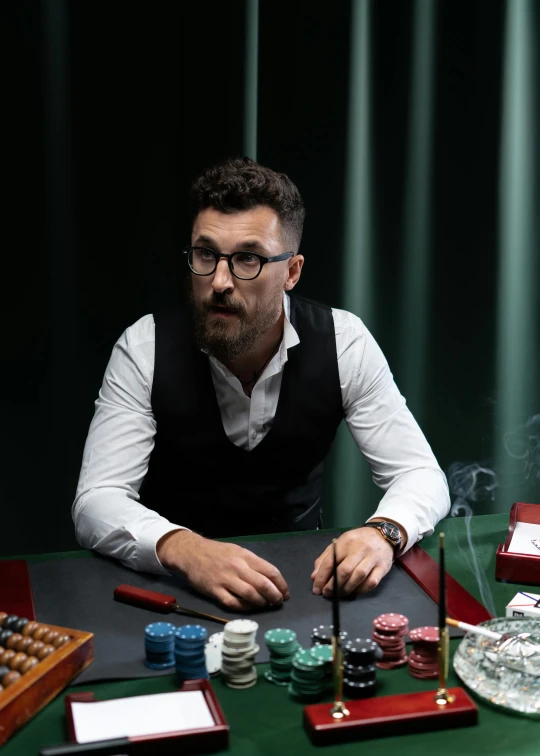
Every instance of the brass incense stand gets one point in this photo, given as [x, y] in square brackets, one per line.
[443, 697]
[338, 710]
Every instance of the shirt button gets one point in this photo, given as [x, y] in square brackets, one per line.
[254, 435]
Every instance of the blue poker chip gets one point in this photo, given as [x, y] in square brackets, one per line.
[158, 665]
[191, 633]
[157, 630]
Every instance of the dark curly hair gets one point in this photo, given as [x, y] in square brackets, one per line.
[238, 184]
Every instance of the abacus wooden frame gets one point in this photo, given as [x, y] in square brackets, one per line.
[24, 698]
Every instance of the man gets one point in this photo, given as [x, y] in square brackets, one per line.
[217, 422]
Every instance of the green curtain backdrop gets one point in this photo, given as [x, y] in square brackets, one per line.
[411, 130]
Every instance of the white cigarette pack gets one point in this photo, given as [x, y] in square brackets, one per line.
[524, 604]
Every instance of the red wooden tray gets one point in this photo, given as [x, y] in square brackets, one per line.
[518, 568]
[204, 740]
[459, 602]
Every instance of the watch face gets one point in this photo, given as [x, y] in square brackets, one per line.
[391, 531]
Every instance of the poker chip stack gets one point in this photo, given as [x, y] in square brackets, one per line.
[189, 654]
[283, 646]
[323, 634]
[389, 633]
[159, 645]
[359, 667]
[309, 679]
[212, 653]
[238, 653]
[423, 659]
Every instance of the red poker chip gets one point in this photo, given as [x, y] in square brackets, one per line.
[392, 664]
[390, 631]
[422, 665]
[426, 634]
[423, 659]
[423, 675]
[391, 620]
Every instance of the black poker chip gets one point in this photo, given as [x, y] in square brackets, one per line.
[353, 689]
[323, 634]
[361, 651]
[360, 674]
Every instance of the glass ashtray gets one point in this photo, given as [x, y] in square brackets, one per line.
[486, 675]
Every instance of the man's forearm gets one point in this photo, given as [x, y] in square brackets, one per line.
[110, 522]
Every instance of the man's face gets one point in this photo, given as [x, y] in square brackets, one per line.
[232, 314]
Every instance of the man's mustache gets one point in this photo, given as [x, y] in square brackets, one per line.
[224, 300]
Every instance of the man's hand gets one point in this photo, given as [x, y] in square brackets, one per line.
[364, 557]
[239, 579]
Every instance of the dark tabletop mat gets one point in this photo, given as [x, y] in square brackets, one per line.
[78, 593]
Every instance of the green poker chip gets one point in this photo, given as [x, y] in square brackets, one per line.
[305, 659]
[279, 636]
[322, 653]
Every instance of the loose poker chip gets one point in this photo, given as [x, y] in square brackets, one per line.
[216, 638]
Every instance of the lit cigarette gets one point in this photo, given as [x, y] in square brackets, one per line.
[475, 629]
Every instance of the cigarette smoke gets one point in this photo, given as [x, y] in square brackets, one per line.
[524, 443]
[469, 483]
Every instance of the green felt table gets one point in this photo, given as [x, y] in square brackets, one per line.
[264, 720]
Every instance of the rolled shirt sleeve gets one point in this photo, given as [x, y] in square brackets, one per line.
[401, 460]
[107, 512]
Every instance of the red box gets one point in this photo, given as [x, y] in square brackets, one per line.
[513, 567]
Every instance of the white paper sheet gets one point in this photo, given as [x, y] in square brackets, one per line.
[140, 715]
[523, 537]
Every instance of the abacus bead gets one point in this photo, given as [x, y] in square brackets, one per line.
[13, 639]
[4, 635]
[18, 626]
[29, 664]
[10, 678]
[40, 632]
[3, 616]
[17, 660]
[29, 628]
[50, 636]
[7, 656]
[44, 652]
[9, 621]
[23, 644]
[34, 648]
[4, 669]
[57, 642]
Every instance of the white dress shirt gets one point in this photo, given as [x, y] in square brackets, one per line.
[107, 512]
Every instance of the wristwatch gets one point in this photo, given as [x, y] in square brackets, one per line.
[389, 531]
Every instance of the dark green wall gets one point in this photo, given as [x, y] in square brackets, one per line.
[110, 109]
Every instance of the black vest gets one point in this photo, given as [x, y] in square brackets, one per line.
[198, 478]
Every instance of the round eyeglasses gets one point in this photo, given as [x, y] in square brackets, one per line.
[245, 265]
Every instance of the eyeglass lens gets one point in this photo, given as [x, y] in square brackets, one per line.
[244, 264]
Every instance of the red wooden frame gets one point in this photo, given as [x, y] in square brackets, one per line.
[202, 740]
[511, 567]
[15, 589]
[459, 603]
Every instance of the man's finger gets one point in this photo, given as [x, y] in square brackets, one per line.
[323, 575]
[345, 571]
[372, 580]
[362, 572]
[245, 591]
[264, 586]
[231, 602]
[269, 571]
[318, 561]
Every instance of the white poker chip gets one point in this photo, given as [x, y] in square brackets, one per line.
[241, 627]
[216, 638]
[212, 652]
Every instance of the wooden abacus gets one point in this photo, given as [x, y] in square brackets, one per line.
[36, 662]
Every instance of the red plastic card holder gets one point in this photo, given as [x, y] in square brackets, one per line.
[511, 567]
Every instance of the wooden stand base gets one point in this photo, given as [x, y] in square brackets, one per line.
[389, 715]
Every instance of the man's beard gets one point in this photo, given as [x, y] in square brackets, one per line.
[226, 340]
